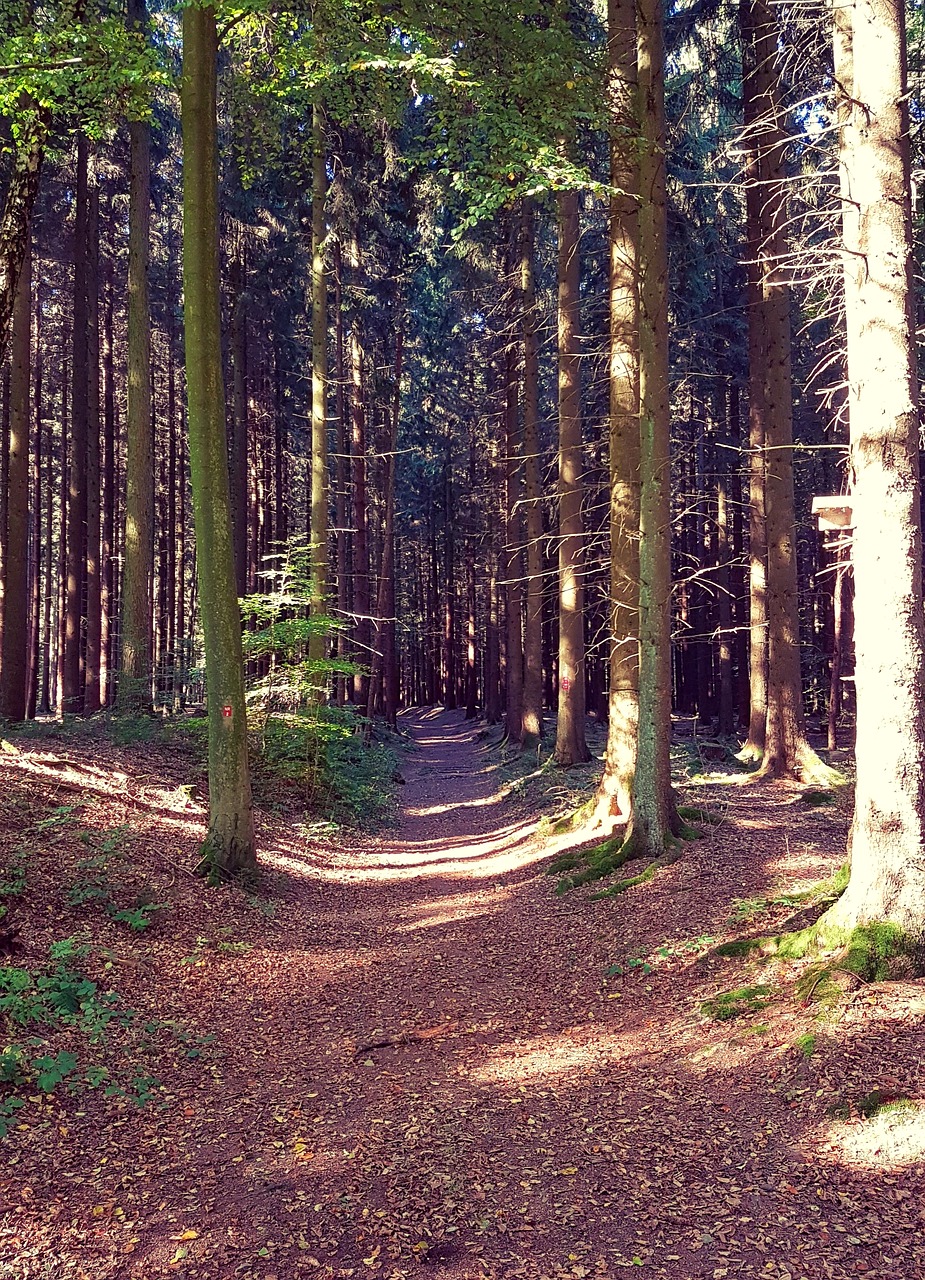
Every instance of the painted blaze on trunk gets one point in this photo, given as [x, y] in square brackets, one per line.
[229, 845]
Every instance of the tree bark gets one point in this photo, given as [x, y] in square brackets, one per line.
[134, 693]
[888, 832]
[614, 797]
[72, 691]
[532, 728]
[513, 560]
[654, 818]
[229, 845]
[319, 461]
[13, 695]
[92, 687]
[571, 746]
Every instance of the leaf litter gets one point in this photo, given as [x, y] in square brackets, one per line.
[403, 1056]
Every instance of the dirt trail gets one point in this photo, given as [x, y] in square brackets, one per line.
[524, 1112]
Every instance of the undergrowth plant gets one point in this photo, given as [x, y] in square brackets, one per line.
[36, 1006]
[344, 764]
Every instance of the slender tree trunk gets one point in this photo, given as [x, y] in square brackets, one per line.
[888, 832]
[532, 730]
[13, 696]
[786, 749]
[449, 569]
[513, 569]
[757, 109]
[615, 793]
[135, 680]
[92, 685]
[239, 432]
[361, 594]
[36, 549]
[571, 747]
[230, 843]
[108, 526]
[342, 473]
[319, 485]
[73, 693]
[654, 818]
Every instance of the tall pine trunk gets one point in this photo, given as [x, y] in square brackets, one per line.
[319, 459]
[654, 818]
[14, 669]
[532, 713]
[571, 747]
[888, 833]
[229, 846]
[615, 792]
[134, 692]
[72, 673]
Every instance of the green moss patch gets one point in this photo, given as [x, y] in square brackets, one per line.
[733, 1004]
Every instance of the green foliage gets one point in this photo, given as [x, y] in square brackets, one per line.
[59, 997]
[346, 777]
[806, 1044]
[87, 72]
[733, 1004]
[13, 881]
[94, 882]
[279, 624]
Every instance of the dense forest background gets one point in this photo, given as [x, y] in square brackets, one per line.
[419, 219]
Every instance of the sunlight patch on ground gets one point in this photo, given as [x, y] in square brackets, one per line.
[451, 910]
[547, 1057]
[430, 810]
[893, 1138]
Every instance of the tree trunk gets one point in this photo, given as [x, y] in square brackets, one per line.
[229, 846]
[756, 48]
[787, 752]
[361, 594]
[108, 523]
[653, 812]
[532, 730]
[341, 472]
[72, 691]
[13, 694]
[319, 462]
[239, 432]
[134, 693]
[615, 793]
[571, 747]
[92, 690]
[513, 525]
[888, 832]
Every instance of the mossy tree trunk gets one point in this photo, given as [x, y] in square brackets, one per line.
[319, 461]
[654, 818]
[230, 842]
[16, 533]
[571, 746]
[134, 689]
[614, 797]
[888, 834]
[532, 711]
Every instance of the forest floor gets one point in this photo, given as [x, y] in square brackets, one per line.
[404, 1055]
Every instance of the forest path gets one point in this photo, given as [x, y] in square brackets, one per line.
[413, 1060]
